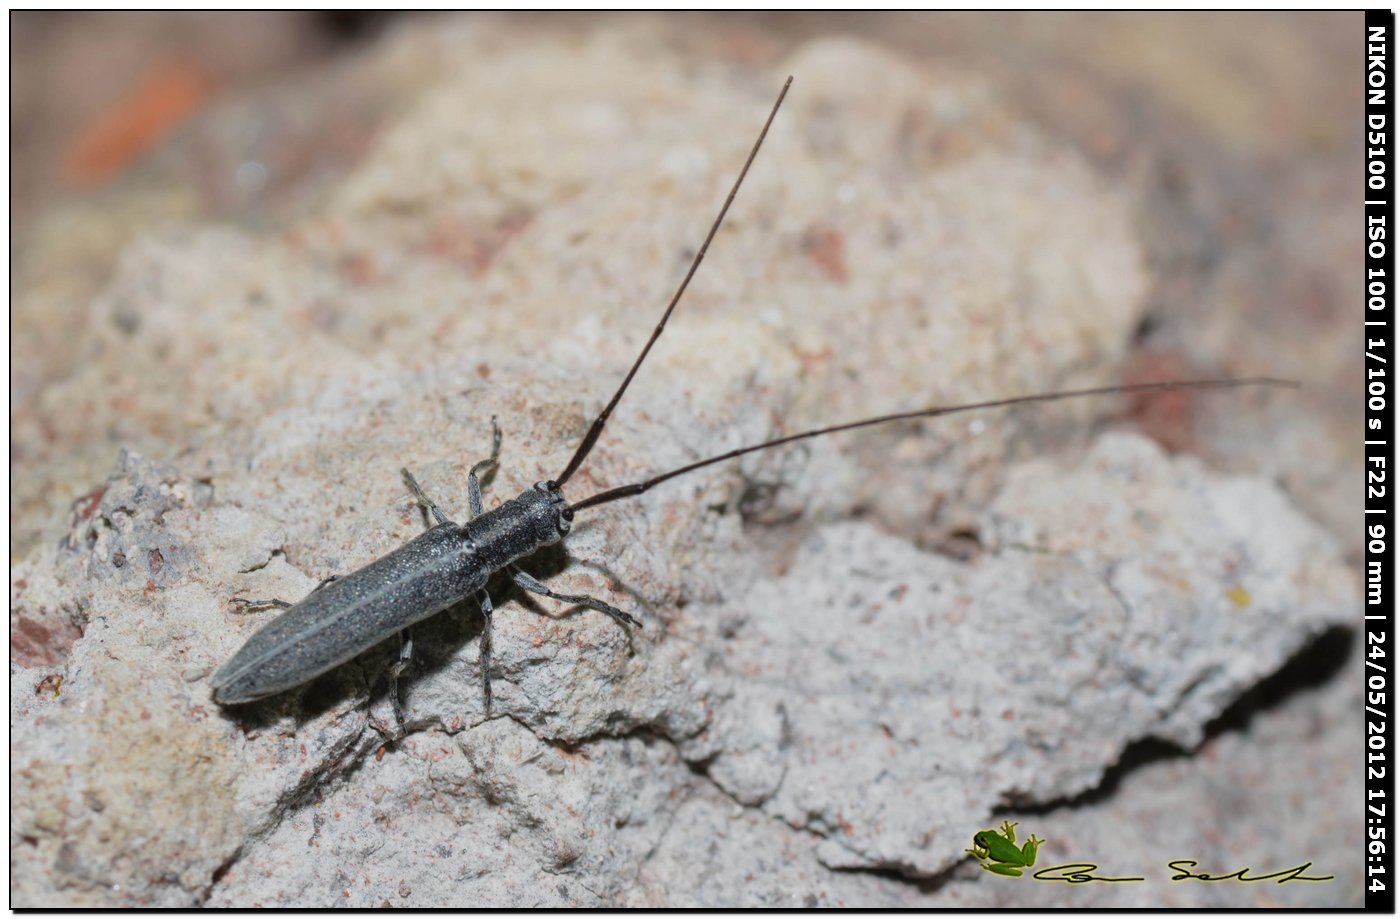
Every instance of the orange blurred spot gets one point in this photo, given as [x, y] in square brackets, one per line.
[826, 247]
[168, 94]
[1166, 417]
[359, 269]
[476, 244]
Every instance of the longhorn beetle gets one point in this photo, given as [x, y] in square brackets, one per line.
[345, 616]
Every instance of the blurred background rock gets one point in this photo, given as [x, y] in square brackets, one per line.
[1236, 131]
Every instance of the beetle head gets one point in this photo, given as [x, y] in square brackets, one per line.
[563, 514]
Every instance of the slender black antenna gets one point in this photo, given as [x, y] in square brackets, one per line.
[627, 491]
[591, 437]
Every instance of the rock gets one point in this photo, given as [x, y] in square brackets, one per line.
[815, 690]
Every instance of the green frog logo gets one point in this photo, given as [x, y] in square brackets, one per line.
[998, 853]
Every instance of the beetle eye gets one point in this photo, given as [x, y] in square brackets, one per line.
[567, 513]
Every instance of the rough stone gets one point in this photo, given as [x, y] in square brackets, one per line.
[816, 692]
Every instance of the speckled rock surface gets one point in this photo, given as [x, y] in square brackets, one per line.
[817, 691]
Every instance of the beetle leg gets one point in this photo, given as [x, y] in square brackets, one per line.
[276, 604]
[536, 587]
[483, 598]
[259, 604]
[422, 499]
[405, 656]
[482, 468]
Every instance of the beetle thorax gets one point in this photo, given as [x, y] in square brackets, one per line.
[538, 517]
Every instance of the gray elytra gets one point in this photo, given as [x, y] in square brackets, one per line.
[345, 616]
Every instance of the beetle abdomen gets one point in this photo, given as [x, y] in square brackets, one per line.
[352, 614]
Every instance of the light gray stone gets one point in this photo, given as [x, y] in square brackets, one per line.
[814, 691]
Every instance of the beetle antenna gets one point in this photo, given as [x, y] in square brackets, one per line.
[591, 437]
[627, 491]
